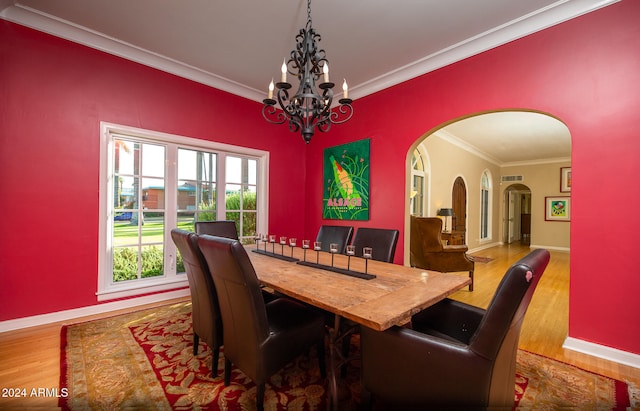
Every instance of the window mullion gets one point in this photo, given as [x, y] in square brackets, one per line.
[221, 187]
[171, 207]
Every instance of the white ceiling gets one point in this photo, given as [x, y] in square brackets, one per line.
[238, 46]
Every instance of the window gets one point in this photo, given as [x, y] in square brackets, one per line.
[154, 182]
[241, 192]
[485, 206]
[196, 190]
[418, 178]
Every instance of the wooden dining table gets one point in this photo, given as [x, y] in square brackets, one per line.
[391, 297]
[395, 294]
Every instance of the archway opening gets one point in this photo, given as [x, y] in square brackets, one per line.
[518, 146]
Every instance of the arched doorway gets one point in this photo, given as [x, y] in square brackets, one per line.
[502, 144]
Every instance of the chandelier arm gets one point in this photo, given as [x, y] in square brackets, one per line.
[272, 114]
[285, 103]
[341, 114]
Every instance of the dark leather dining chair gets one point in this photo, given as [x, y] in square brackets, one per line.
[382, 241]
[221, 228]
[455, 356]
[336, 234]
[428, 252]
[227, 229]
[205, 311]
[260, 339]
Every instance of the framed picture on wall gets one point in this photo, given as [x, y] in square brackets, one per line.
[565, 179]
[557, 208]
[346, 181]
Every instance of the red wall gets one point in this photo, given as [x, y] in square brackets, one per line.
[587, 73]
[54, 93]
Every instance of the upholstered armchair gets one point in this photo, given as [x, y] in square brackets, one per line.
[454, 356]
[428, 252]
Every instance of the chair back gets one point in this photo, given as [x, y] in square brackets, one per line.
[426, 234]
[206, 318]
[337, 234]
[382, 241]
[222, 228]
[244, 315]
[498, 333]
[509, 303]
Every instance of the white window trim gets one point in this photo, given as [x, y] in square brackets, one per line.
[489, 236]
[106, 289]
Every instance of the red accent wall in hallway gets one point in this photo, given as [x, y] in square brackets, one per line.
[586, 72]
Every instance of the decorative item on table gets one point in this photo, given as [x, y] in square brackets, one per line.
[333, 248]
[283, 241]
[317, 246]
[351, 251]
[367, 254]
[272, 240]
[265, 240]
[305, 247]
[292, 244]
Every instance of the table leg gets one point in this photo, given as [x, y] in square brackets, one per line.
[332, 403]
[336, 359]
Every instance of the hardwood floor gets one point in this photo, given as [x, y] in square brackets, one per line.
[30, 358]
[545, 326]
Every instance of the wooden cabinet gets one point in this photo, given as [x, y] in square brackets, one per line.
[454, 237]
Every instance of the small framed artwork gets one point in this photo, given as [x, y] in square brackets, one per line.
[557, 208]
[565, 179]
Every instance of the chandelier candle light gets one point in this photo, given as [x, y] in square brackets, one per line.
[310, 106]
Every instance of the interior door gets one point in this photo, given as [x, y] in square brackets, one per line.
[511, 207]
[459, 205]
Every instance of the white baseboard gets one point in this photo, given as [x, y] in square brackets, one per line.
[601, 351]
[551, 248]
[484, 247]
[58, 316]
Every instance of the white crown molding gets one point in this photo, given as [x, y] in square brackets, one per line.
[551, 15]
[61, 28]
[555, 13]
[537, 162]
[601, 351]
[452, 139]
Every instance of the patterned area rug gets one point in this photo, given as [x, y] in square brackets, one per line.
[144, 360]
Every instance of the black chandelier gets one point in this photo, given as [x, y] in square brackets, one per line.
[310, 106]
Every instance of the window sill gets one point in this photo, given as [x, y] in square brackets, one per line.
[138, 289]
